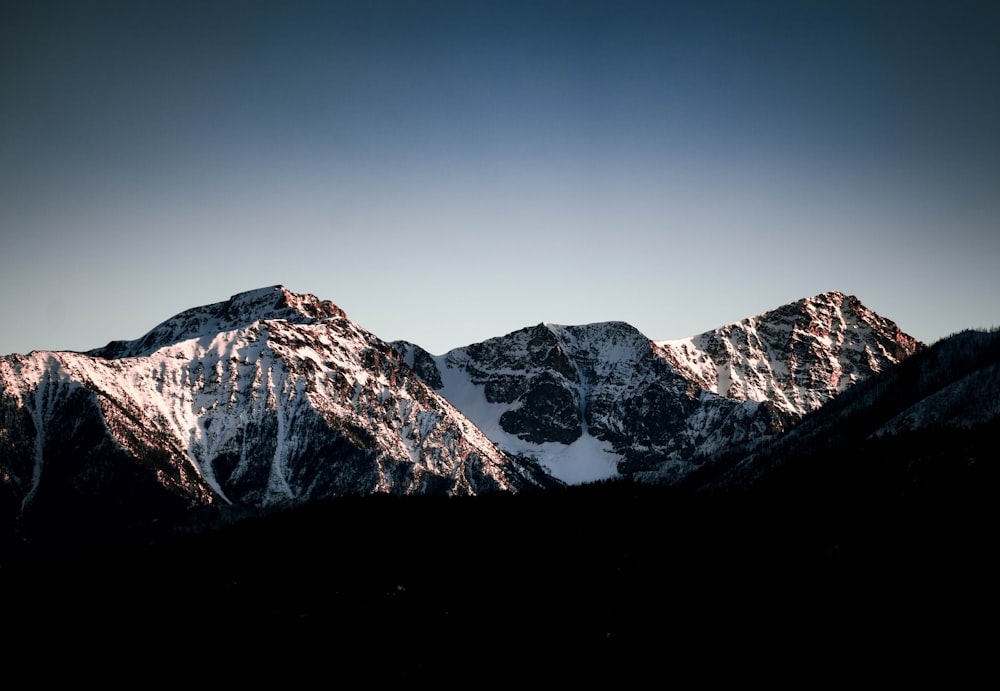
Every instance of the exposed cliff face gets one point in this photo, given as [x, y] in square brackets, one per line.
[589, 402]
[215, 406]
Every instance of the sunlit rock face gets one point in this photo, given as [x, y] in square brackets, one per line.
[796, 357]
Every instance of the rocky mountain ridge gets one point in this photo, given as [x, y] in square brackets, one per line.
[273, 398]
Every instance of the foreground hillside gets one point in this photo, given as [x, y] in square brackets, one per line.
[822, 567]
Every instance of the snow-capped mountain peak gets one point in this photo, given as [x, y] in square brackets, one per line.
[242, 309]
[795, 357]
[265, 399]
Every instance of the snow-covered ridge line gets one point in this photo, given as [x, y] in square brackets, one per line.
[272, 397]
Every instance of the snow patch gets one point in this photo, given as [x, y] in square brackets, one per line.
[585, 460]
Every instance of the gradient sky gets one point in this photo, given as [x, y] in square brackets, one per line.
[448, 172]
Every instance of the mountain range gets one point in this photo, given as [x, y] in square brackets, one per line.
[601, 400]
[274, 399]
[809, 484]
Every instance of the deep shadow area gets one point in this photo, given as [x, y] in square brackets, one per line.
[809, 569]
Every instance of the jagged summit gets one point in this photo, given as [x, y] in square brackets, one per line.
[797, 356]
[240, 310]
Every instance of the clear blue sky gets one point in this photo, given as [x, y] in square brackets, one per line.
[448, 172]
